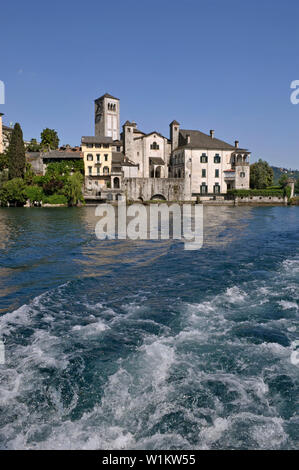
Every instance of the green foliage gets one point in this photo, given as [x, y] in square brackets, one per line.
[52, 186]
[29, 174]
[16, 154]
[3, 177]
[256, 192]
[12, 192]
[261, 175]
[283, 180]
[55, 199]
[287, 191]
[65, 167]
[278, 172]
[3, 161]
[34, 193]
[34, 146]
[39, 180]
[73, 189]
[297, 186]
[49, 139]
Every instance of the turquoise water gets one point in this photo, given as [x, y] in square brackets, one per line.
[143, 345]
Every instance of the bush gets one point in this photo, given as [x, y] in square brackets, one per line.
[34, 193]
[12, 192]
[53, 186]
[55, 199]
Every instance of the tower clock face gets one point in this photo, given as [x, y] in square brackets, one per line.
[99, 111]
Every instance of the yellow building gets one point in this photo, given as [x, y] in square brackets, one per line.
[97, 154]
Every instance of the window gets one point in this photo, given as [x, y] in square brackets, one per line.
[106, 146]
[216, 173]
[106, 170]
[154, 146]
[217, 158]
[98, 146]
[204, 158]
[98, 157]
[203, 173]
[98, 170]
[89, 157]
[89, 146]
[242, 174]
[217, 188]
[90, 170]
[118, 149]
[106, 157]
[203, 189]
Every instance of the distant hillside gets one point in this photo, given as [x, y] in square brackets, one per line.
[278, 172]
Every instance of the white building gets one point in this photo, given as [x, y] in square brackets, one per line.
[207, 165]
[212, 166]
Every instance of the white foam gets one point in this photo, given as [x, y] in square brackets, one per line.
[286, 305]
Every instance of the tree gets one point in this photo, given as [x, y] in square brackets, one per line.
[34, 193]
[283, 180]
[297, 186]
[16, 153]
[12, 192]
[49, 139]
[261, 175]
[73, 189]
[29, 174]
[3, 161]
[34, 146]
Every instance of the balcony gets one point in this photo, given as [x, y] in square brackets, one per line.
[229, 174]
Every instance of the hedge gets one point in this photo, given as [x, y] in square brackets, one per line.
[256, 192]
[55, 199]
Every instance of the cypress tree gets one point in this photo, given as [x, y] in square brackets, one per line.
[16, 154]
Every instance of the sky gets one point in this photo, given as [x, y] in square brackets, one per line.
[222, 65]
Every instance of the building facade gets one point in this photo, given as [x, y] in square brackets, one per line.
[107, 117]
[5, 135]
[211, 166]
[206, 166]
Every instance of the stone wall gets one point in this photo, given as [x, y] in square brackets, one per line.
[145, 189]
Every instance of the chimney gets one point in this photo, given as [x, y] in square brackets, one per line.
[236, 144]
[212, 133]
[188, 138]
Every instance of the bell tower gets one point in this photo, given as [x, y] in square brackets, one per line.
[107, 117]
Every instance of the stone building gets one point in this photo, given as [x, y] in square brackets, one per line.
[107, 116]
[206, 166]
[103, 161]
[210, 165]
[5, 135]
[151, 152]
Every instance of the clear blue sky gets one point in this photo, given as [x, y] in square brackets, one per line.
[223, 65]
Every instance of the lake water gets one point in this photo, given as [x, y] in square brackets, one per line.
[143, 345]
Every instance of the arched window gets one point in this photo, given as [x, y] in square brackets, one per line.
[89, 157]
[154, 146]
[116, 183]
[106, 170]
